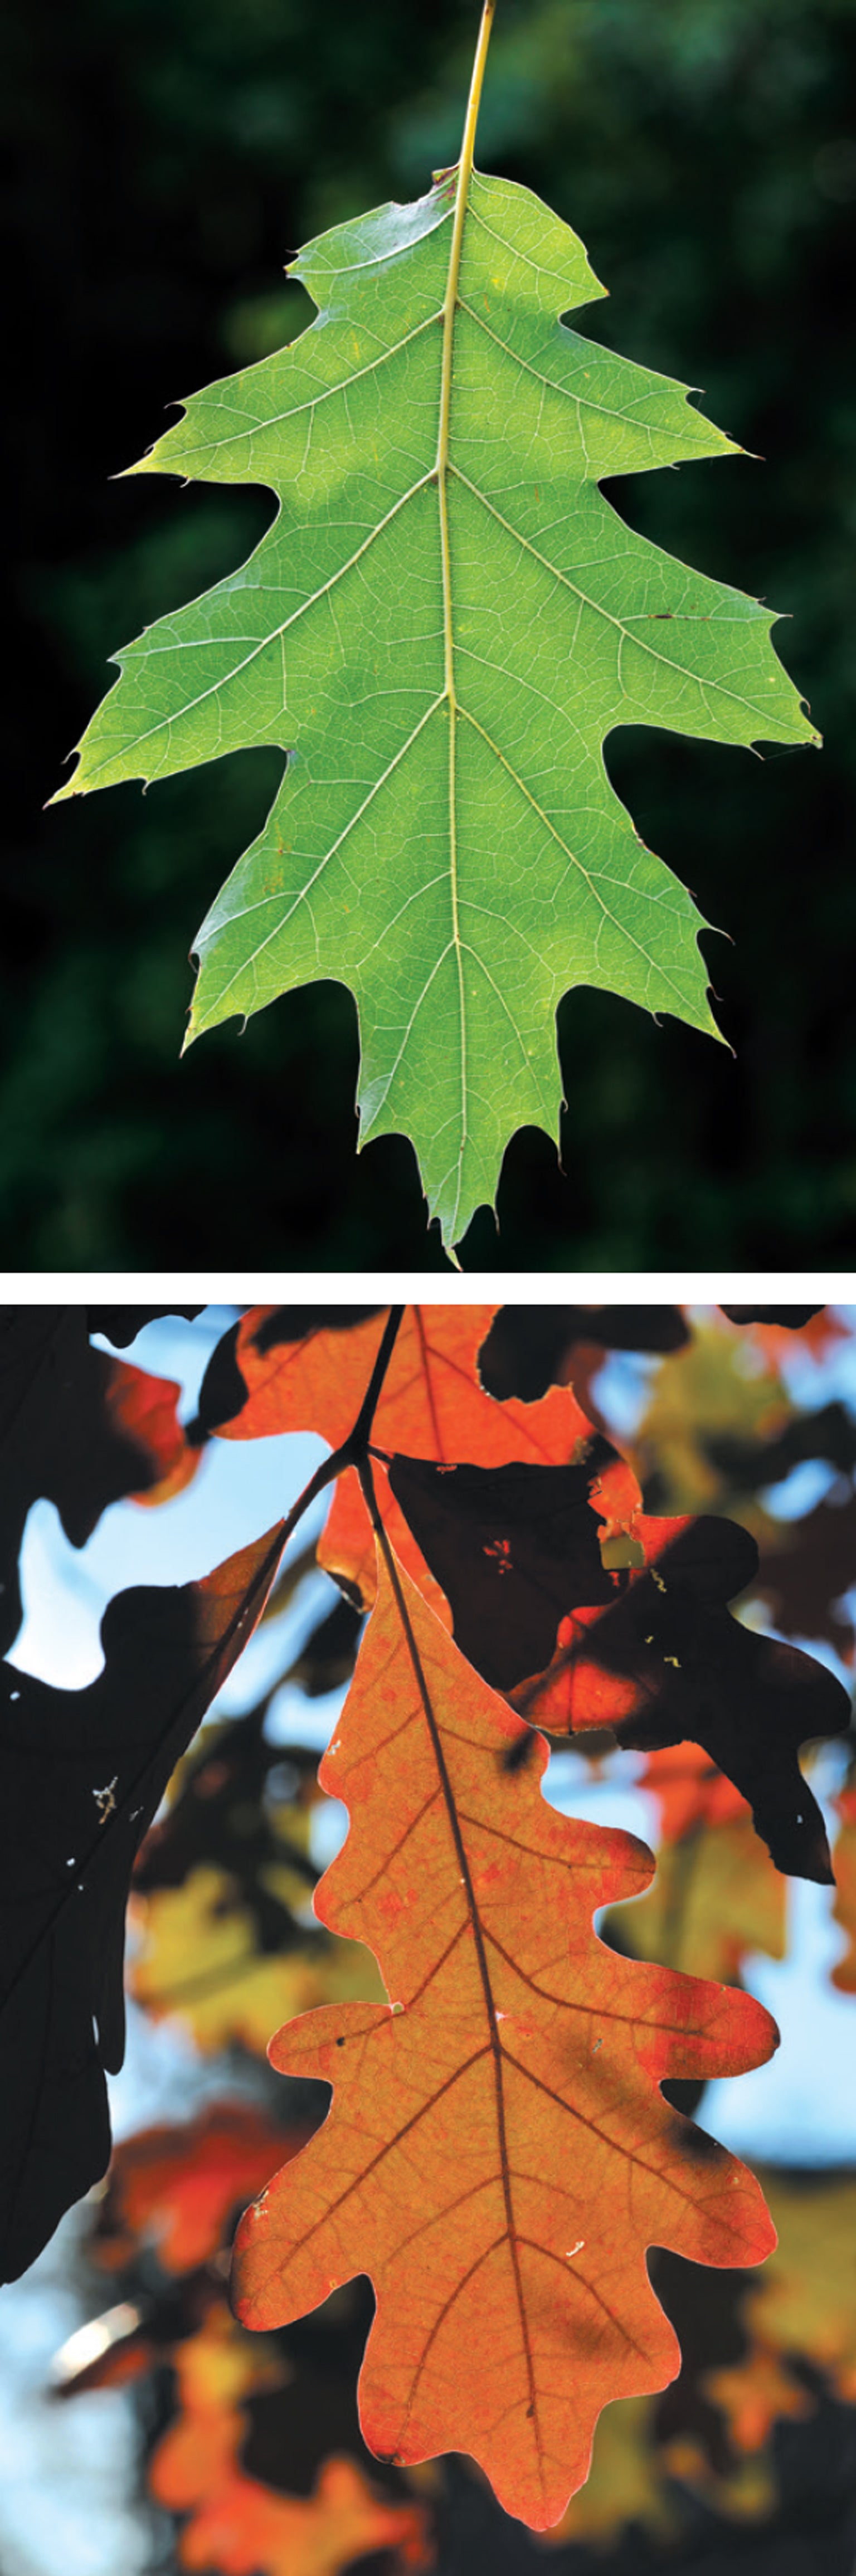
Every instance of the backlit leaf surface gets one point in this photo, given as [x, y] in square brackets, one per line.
[441, 626]
[432, 1404]
[498, 2155]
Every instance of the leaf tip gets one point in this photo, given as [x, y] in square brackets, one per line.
[73, 786]
[142, 465]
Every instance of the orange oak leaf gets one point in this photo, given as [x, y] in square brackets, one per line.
[431, 1404]
[498, 2155]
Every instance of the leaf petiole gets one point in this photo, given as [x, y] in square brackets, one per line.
[355, 1448]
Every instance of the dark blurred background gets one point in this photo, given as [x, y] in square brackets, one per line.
[166, 157]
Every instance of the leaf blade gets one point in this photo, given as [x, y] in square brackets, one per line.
[446, 838]
[432, 1401]
[476, 2134]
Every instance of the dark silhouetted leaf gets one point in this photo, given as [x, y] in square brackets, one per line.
[223, 1391]
[805, 1578]
[511, 1547]
[285, 1324]
[77, 1428]
[530, 1348]
[328, 1657]
[82, 1774]
[792, 1318]
[667, 1664]
[663, 1664]
[242, 1806]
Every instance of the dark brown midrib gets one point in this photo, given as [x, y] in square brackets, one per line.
[496, 2051]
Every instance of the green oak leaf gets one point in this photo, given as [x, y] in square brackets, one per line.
[441, 627]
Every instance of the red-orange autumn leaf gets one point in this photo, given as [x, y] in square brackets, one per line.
[498, 2155]
[179, 2184]
[144, 1409]
[237, 2525]
[246, 2529]
[431, 1405]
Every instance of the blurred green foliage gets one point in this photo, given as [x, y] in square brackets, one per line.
[167, 157]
